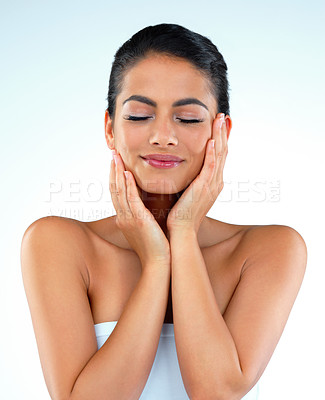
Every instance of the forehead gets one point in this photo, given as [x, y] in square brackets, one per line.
[166, 79]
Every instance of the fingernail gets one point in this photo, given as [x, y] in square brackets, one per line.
[115, 159]
[222, 117]
[212, 143]
[125, 174]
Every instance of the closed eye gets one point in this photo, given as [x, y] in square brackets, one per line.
[185, 121]
[133, 118]
[190, 121]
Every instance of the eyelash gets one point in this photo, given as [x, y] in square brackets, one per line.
[185, 121]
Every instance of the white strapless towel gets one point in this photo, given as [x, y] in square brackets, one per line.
[165, 379]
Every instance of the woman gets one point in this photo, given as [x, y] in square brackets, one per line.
[182, 305]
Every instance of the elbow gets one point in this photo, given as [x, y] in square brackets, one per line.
[234, 391]
[66, 397]
[60, 397]
[220, 395]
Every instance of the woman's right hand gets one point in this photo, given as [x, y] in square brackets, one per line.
[135, 221]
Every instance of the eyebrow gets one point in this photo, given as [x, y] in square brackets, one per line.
[178, 103]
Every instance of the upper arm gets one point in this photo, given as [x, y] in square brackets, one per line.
[53, 270]
[269, 283]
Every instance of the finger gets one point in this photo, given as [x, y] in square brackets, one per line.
[219, 177]
[214, 173]
[202, 183]
[222, 160]
[209, 165]
[219, 141]
[136, 205]
[113, 188]
[216, 125]
[224, 136]
[221, 144]
[213, 153]
[121, 186]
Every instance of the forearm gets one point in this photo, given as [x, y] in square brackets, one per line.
[121, 367]
[206, 351]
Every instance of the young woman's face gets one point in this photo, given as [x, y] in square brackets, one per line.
[162, 129]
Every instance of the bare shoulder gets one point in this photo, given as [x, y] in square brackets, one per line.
[282, 245]
[52, 226]
[271, 236]
[258, 236]
[252, 242]
[224, 230]
[63, 234]
[53, 221]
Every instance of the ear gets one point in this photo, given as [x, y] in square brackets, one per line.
[228, 122]
[109, 134]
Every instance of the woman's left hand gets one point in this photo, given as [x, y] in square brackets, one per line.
[191, 208]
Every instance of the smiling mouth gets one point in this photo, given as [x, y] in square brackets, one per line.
[161, 163]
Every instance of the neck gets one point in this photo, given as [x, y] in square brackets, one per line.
[159, 205]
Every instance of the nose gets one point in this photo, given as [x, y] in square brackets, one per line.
[162, 133]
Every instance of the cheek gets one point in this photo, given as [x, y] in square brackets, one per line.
[196, 138]
[196, 148]
[129, 144]
[196, 160]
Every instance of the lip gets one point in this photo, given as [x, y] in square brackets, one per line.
[161, 164]
[163, 157]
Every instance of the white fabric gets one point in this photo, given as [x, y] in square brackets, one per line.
[165, 380]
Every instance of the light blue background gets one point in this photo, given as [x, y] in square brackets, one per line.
[55, 64]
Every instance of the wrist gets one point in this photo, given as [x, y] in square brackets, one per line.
[157, 263]
[183, 233]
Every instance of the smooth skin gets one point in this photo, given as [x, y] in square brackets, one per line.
[194, 203]
[232, 286]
